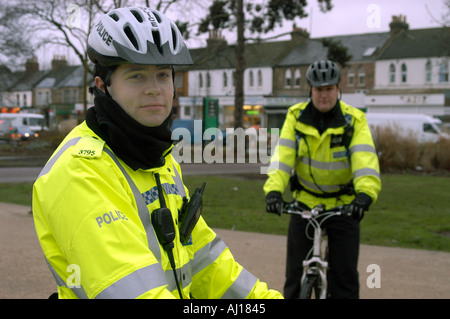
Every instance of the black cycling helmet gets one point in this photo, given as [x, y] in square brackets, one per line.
[323, 73]
[137, 35]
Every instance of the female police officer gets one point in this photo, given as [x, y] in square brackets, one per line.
[107, 204]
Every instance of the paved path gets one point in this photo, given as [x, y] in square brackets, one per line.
[405, 273]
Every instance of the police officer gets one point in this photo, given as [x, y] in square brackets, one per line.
[109, 203]
[326, 153]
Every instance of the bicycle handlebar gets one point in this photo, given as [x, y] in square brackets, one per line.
[292, 208]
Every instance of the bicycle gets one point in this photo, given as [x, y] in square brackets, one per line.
[315, 266]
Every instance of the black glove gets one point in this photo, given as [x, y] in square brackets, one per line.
[274, 202]
[359, 205]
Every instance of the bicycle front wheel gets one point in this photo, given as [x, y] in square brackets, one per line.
[311, 287]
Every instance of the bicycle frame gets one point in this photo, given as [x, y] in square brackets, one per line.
[316, 265]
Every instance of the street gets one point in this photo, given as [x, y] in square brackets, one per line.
[405, 273]
[29, 174]
[402, 273]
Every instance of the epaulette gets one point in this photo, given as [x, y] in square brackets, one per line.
[88, 147]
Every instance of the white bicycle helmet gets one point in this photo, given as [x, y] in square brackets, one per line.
[137, 35]
[323, 73]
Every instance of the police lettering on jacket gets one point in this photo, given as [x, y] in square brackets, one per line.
[110, 217]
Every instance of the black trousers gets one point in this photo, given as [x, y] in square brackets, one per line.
[343, 244]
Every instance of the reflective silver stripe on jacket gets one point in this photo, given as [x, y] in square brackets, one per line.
[242, 286]
[362, 148]
[78, 291]
[135, 284]
[329, 166]
[288, 143]
[53, 160]
[143, 212]
[277, 165]
[207, 255]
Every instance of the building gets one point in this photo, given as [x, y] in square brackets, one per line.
[401, 71]
[212, 75]
[19, 94]
[412, 73]
[56, 93]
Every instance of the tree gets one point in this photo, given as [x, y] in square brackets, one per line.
[337, 52]
[57, 23]
[257, 18]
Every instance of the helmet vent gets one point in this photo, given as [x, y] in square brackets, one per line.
[114, 16]
[157, 40]
[131, 37]
[157, 17]
[137, 15]
[174, 38]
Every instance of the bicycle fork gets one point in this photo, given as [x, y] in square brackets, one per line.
[316, 266]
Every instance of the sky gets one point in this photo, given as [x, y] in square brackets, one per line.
[346, 17]
[359, 16]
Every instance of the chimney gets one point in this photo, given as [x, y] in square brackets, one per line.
[58, 62]
[215, 39]
[31, 65]
[398, 24]
[299, 35]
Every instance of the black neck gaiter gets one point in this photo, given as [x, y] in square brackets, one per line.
[137, 145]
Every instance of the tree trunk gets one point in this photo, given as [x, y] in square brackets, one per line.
[240, 68]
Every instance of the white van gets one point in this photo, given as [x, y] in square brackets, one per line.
[423, 127]
[33, 122]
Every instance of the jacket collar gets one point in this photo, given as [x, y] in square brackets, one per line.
[312, 117]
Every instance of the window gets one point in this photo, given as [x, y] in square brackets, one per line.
[251, 79]
[39, 98]
[287, 78]
[234, 78]
[74, 96]
[443, 72]
[187, 111]
[47, 98]
[428, 72]
[66, 96]
[404, 73]
[25, 102]
[225, 79]
[392, 73]
[361, 76]
[351, 76]
[297, 78]
[208, 80]
[428, 128]
[260, 78]
[200, 80]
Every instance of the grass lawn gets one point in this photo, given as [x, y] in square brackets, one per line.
[412, 211]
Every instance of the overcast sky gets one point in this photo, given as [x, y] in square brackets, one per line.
[359, 16]
[346, 17]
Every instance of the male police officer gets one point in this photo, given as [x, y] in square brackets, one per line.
[329, 147]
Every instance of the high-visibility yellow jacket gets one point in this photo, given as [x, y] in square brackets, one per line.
[92, 218]
[322, 162]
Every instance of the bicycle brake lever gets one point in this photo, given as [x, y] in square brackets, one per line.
[306, 214]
